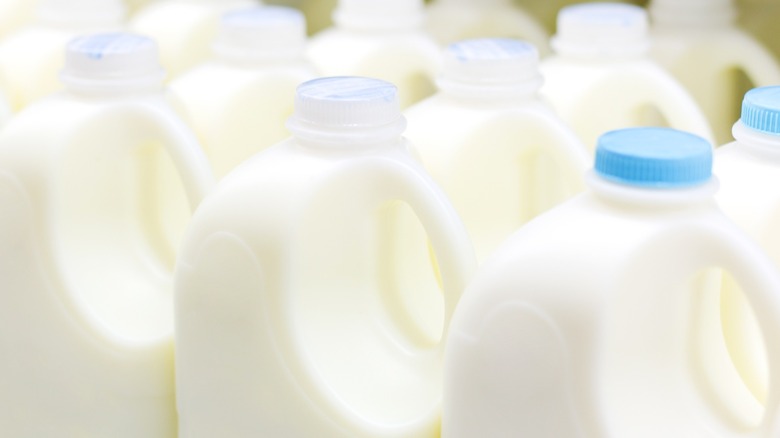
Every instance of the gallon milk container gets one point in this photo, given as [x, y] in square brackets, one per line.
[383, 39]
[184, 29]
[454, 20]
[288, 320]
[750, 172]
[601, 77]
[699, 42]
[15, 14]
[239, 100]
[93, 182]
[595, 319]
[498, 151]
[31, 58]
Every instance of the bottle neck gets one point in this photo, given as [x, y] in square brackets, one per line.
[490, 94]
[345, 138]
[241, 57]
[764, 145]
[601, 53]
[651, 198]
[109, 89]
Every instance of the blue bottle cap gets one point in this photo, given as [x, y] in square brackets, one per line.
[761, 110]
[654, 158]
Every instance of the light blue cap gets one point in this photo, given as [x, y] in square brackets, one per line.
[761, 110]
[654, 158]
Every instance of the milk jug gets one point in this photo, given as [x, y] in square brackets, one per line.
[92, 182]
[699, 42]
[184, 29]
[288, 319]
[454, 20]
[749, 170]
[239, 100]
[31, 58]
[383, 39]
[594, 320]
[495, 147]
[15, 14]
[601, 77]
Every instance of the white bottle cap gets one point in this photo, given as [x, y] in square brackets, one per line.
[112, 62]
[261, 34]
[688, 14]
[82, 14]
[491, 67]
[602, 29]
[346, 110]
[379, 14]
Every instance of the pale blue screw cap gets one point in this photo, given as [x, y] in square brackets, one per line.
[761, 110]
[654, 158]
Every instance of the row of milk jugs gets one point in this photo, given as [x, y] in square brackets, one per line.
[350, 282]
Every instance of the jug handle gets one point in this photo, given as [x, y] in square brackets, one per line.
[758, 63]
[760, 282]
[447, 233]
[675, 101]
[187, 154]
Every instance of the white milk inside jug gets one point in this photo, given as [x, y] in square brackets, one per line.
[31, 58]
[383, 39]
[595, 319]
[717, 62]
[750, 172]
[15, 14]
[85, 256]
[499, 152]
[450, 21]
[238, 101]
[184, 29]
[288, 322]
[601, 77]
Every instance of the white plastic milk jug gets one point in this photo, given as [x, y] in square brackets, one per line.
[383, 39]
[700, 43]
[499, 152]
[31, 58]
[601, 77]
[92, 181]
[594, 320]
[184, 29]
[750, 171]
[239, 101]
[15, 14]
[454, 20]
[288, 319]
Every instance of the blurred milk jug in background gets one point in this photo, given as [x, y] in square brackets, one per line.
[499, 152]
[716, 61]
[593, 320]
[239, 100]
[601, 77]
[383, 39]
[31, 58]
[86, 254]
[288, 321]
[184, 29]
[450, 21]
